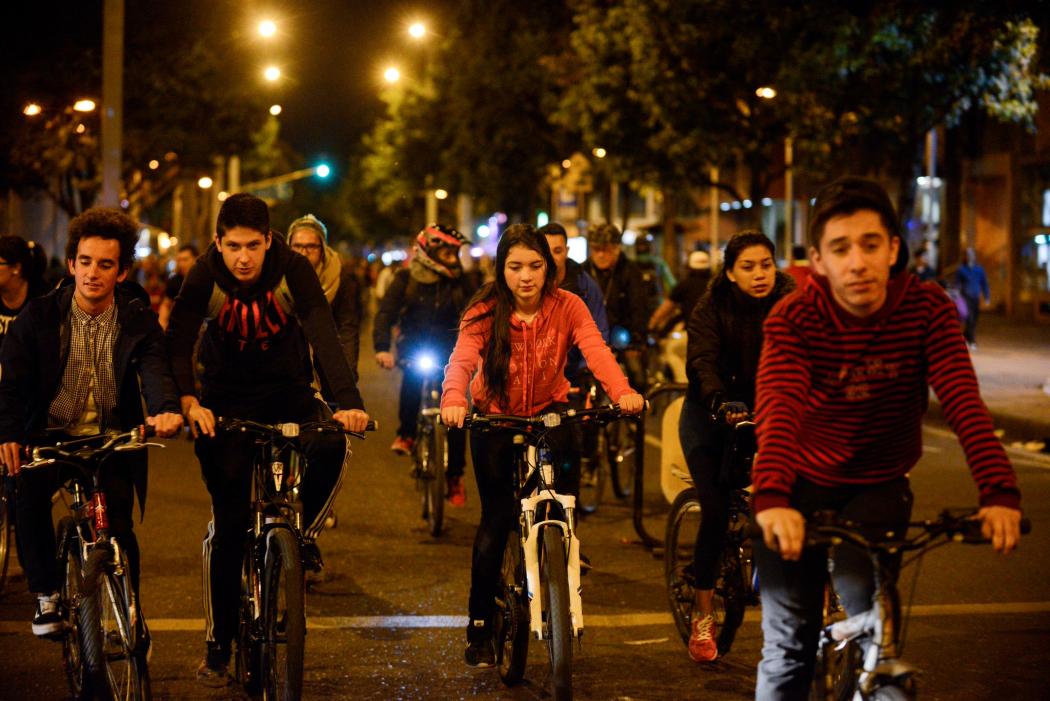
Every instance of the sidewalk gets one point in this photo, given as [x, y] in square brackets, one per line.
[1012, 361]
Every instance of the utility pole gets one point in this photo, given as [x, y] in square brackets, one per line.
[112, 99]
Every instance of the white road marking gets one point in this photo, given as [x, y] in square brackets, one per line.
[622, 620]
[1017, 455]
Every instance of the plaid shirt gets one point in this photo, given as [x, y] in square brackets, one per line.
[89, 369]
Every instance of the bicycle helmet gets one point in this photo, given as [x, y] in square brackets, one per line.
[436, 236]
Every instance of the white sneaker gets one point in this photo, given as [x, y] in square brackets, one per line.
[49, 620]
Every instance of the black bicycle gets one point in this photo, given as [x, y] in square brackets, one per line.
[735, 585]
[539, 589]
[859, 656]
[105, 643]
[430, 453]
[271, 635]
[7, 525]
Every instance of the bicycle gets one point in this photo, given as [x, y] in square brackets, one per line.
[594, 471]
[7, 524]
[430, 453]
[539, 589]
[271, 634]
[843, 669]
[735, 584]
[105, 643]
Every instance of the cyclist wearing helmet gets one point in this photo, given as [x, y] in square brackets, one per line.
[309, 236]
[425, 302]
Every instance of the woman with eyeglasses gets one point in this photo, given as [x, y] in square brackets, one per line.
[22, 265]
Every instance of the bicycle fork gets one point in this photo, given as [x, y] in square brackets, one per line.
[531, 543]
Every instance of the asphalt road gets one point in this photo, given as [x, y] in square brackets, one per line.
[388, 621]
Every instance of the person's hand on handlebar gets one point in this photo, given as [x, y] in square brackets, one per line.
[11, 456]
[352, 420]
[453, 415]
[1002, 526]
[632, 403]
[200, 419]
[166, 424]
[733, 412]
[385, 359]
[783, 529]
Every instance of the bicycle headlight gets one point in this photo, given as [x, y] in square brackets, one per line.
[426, 362]
[620, 338]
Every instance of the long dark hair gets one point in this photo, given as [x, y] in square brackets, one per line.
[497, 354]
[740, 241]
[29, 255]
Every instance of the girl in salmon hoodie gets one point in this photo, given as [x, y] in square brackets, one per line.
[511, 351]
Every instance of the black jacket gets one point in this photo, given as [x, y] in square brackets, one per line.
[252, 351]
[424, 312]
[725, 342]
[625, 301]
[34, 357]
[346, 309]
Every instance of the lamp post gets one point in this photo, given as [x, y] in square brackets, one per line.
[112, 99]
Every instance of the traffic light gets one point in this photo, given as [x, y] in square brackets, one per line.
[322, 170]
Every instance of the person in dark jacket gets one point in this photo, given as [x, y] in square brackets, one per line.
[73, 362]
[266, 316]
[725, 340]
[683, 298]
[621, 283]
[425, 301]
[22, 265]
[309, 236]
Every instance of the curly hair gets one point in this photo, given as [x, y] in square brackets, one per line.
[106, 223]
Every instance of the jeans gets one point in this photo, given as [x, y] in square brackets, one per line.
[793, 592]
[703, 455]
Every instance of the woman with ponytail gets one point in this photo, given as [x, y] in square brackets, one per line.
[518, 330]
[22, 265]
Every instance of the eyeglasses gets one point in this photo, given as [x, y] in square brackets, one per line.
[306, 247]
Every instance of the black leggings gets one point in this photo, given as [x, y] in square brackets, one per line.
[704, 462]
[493, 456]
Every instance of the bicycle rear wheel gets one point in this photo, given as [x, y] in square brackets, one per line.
[437, 464]
[683, 523]
[248, 661]
[620, 444]
[511, 624]
[284, 618]
[558, 626]
[69, 562]
[5, 533]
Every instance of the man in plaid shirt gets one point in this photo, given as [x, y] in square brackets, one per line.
[73, 362]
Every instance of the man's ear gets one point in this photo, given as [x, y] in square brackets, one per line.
[123, 275]
[70, 265]
[269, 240]
[218, 242]
[816, 261]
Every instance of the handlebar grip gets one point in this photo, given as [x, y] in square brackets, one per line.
[148, 431]
[1026, 526]
[373, 425]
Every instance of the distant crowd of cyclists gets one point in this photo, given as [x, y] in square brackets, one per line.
[833, 358]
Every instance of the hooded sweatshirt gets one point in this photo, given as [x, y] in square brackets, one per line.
[840, 399]
[539, 350]
[252, 351]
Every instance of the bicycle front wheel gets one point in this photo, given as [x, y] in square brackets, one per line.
[683, 523]
[284, 618]
[835, 671]
[5, 532]
[437, 463]
[620, 444]
[558, 625]
[511, 624]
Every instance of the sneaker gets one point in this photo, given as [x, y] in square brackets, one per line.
[402, 445]
[49, 620]
[313, 563]
[457, 492]
[214, 668]
[480, 652]
[702, 645]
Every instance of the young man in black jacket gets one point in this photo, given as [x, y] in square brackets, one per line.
[265, 310]
[73, 361]
[425, 302]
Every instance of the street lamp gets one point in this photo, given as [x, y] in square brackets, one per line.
[391, 75]
[154, 164]
[766, 92]
[598, 152]
[205, 183]
[566, 164]
[272, 73]
[32, 109]
[84, 105]
[275, 110]
[267, 28]
[441, 194]
[417, 30]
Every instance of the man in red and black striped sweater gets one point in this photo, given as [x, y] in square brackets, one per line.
[842, 388]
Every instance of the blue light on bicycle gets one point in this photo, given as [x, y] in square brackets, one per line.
[620, 337]
[426, 363]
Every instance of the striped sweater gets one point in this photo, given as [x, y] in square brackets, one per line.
[840, 399]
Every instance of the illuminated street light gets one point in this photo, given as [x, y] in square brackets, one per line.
[84, 105]
[154, 164]
[32, 109]
[766, 92]
[223, 195]
[391, 75]
[598, 152]
[272, 73]
[204, 183]
[441, 194]
[275, 110]
[417, 30]
[567, 163]
[323, 170]
[81, 129]
[267, 28]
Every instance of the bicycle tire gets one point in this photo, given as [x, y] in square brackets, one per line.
[511, 623]
[678, 560]
[71, 567]
[621, 450]
[731, 595]
[119, 602]
[5, 534]
[554, 576]
[436, 471]
[835, 671]
[248, 665]
[592, 484]
[283, 579]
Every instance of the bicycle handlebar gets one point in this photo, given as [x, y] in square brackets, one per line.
[84, 455]
[289, 429]
[551, 419]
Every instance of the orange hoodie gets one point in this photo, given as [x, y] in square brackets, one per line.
[537, 362]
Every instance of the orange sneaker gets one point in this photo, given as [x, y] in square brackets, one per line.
[402, 445]
[457, 493]
[702, 645]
